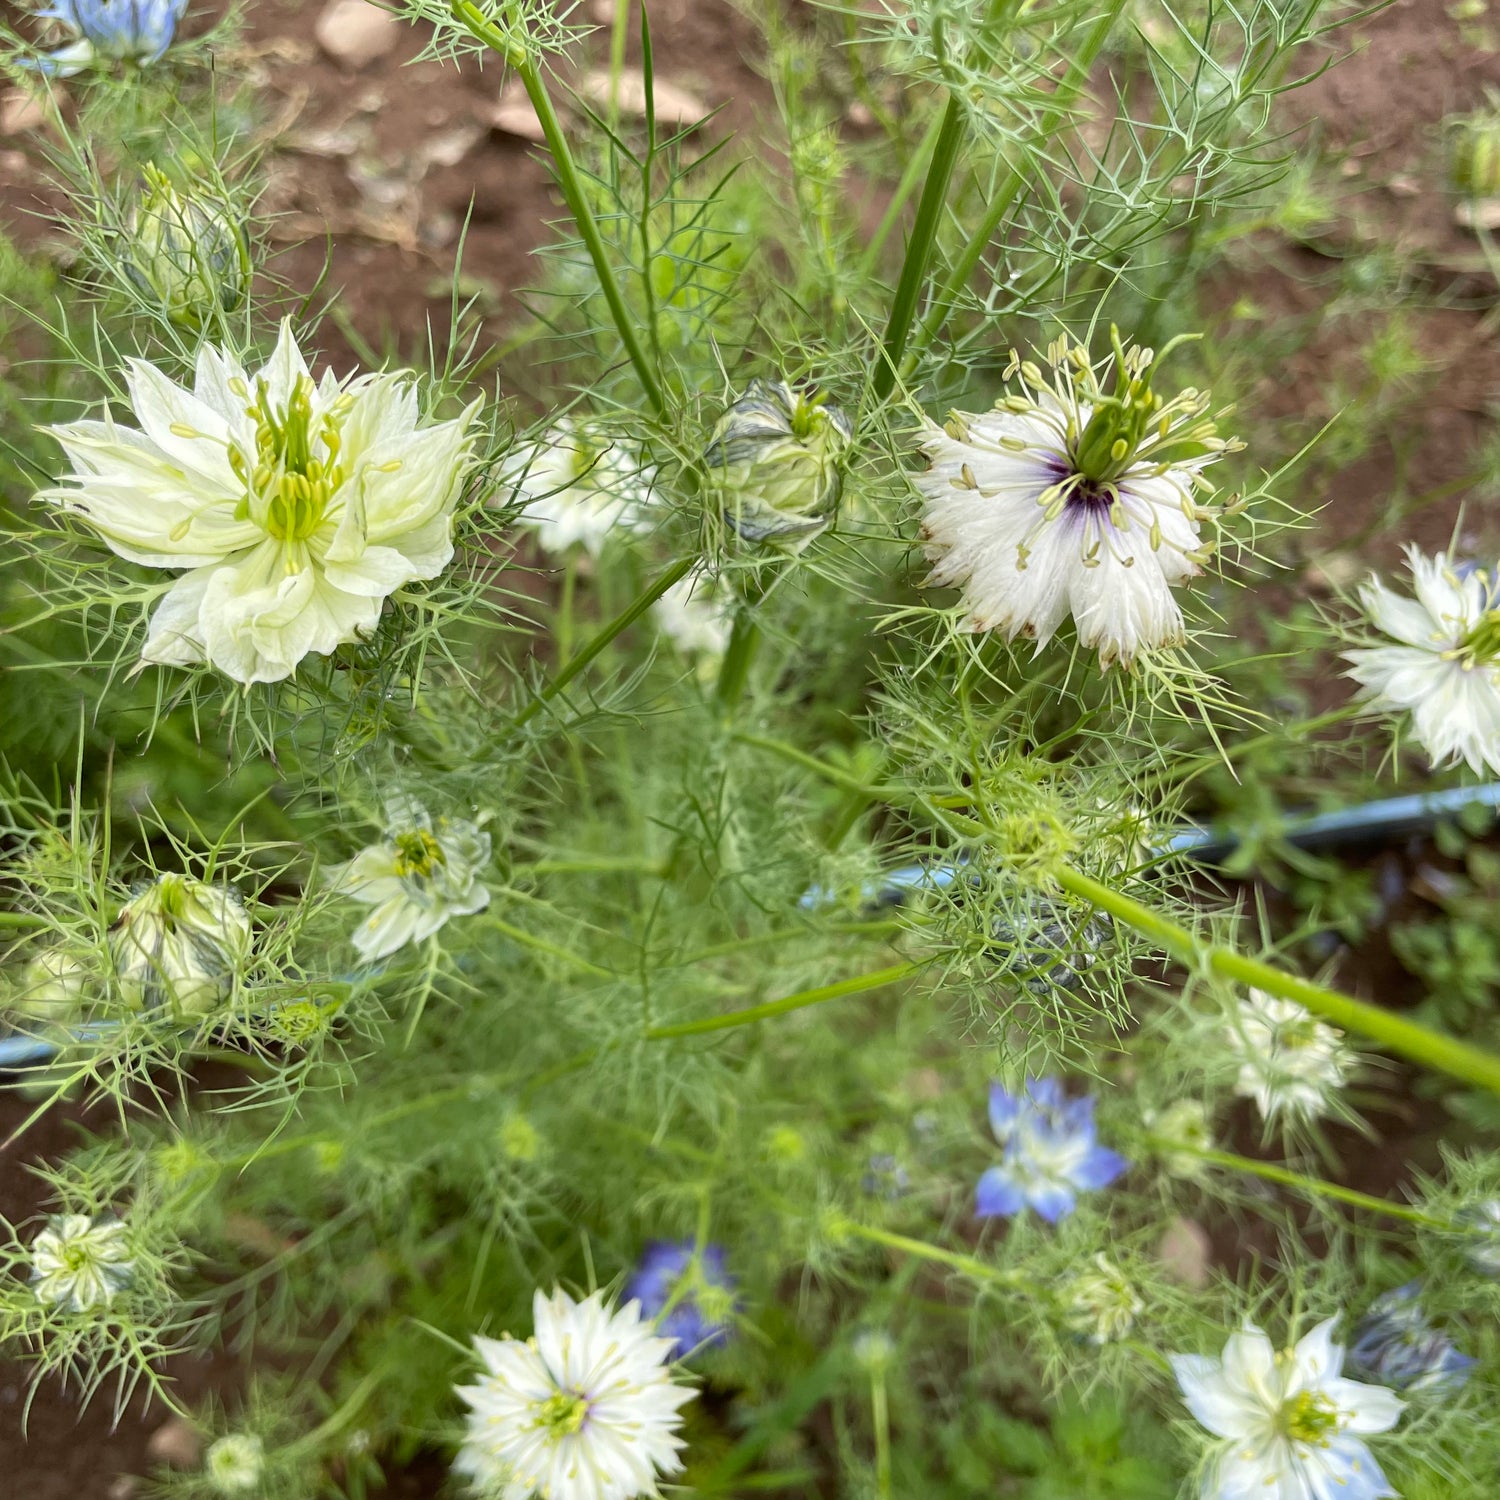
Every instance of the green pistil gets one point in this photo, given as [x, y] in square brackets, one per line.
[77, 1257]
[289, 488]
[1309, 1418]
[563, 1414]
[418, 853]
[1481, 647]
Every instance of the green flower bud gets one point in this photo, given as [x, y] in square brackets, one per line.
[1476, 154]
[773, 464]
[53, 987]
[185, 253]
[180, 943]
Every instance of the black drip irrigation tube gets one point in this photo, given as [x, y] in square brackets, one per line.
[1368, 823]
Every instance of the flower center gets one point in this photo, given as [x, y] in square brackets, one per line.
[418, 853]
[1481, 647]
[563, 1414]
[1308, 1417]
[289, 488]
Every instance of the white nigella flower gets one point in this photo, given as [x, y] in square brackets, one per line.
[417, 877]
[1068, 499]
[1292, 1426]
[1100, 1304]
[1186, 1123]
[180, 942]
[1290, 1062]
[295, 507]
[580, 486]
[1445, 667]
[235, 1464]
[697, 617]
[586, 1409]
[78, 1263]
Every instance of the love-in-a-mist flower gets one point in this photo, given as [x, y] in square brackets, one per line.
[585, 1409]
[1445, 665]
[1072, 499]
[182, 251]
[1291, 1426]
[139, 31]
[180, 943]
[1481, 1225]
[418, 876]
[295, 506]
[1051, 1153]
[1184, 1124]
[580, 484]
[1290, 1062]
[79, 1263]
[236, 1464]
[774, 464]
[1396, 1344]
[687, 1291]
[1100, 1303]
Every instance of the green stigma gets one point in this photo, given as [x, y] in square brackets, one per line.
[563, 1414]
[1309, 1418]
[1481, 647]
[290, 486]
[418, 853]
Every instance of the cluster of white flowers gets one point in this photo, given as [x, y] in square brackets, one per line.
[1290, 1063]
[585, 1409]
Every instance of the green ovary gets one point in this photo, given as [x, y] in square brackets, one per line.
[1481, 647]
[563, 1414]
[1309, 1418]
[288, 490]
[418, 853]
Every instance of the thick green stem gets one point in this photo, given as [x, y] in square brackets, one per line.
[919, 247]
[621, 622]
[1313, 1186]
[859, 985]
[571, 184]
[739, 657]
[970, 1265]
[1405, 1038]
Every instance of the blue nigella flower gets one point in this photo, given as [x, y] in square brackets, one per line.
[1051, 1154]
[1395, 1345]
[140, 30]
[688, 1291]
[885, 1177]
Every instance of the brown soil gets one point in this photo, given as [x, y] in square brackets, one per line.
[378, 170]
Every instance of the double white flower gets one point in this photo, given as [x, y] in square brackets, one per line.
[294, 506]
[1068, 499]
[79, 1263]
[1445, 667]
[1290, 1062]
[586, 1409]
[1292, 1427]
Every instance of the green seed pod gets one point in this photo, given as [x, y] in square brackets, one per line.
[1476, 155]
[773, 464]
[179, 943]
[185, 253]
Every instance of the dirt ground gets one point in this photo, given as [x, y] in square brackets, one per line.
[378, 167]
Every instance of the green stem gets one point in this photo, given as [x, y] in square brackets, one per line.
[569, 181]
[970, 1265]
[1315, 1186]
[621, 622]
[541, 945]
[739, 657]
[1067, 91]
[919, 247]
[23, 919]
[1405, 1038]
[859, 985]
[880, 1417]
[904, 189]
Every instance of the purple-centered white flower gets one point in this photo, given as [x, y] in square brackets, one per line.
[585, 1409]
[1291, 1427]
[1050, 1153]
[687, 1291]
[138, 30]
[1070, 499]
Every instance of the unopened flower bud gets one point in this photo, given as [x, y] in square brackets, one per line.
[1100, 1304]
[180, 942]
[1185, 1122]
[53, 986]
[1396, 1345]
[185, 253]
[773, 464]
[1044, 944]
[1476, 155]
